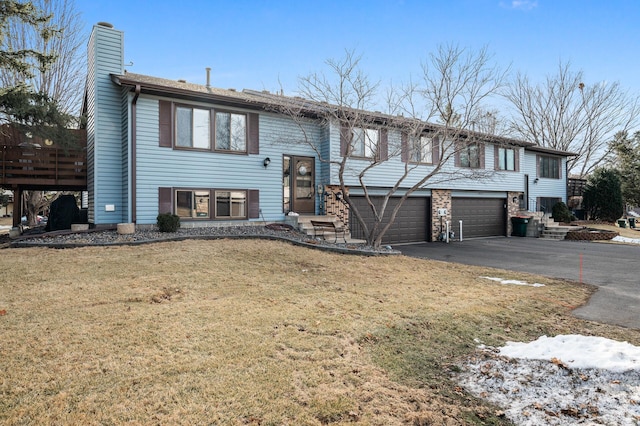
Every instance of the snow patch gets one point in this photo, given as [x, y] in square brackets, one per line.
[513, 282]
[563, 380]
[578, 352]
[626, 240]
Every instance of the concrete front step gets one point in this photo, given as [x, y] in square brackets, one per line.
[556, 232]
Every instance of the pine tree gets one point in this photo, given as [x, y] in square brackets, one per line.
[627, 161]
[602, 197]
[32, 112]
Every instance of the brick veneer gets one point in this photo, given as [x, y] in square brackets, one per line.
[440, 199]
[334, 207]
[513, 209]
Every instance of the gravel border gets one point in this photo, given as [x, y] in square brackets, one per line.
[67, 239]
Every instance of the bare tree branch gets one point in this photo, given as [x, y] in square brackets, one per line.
[455, 84]
[63, 78]
[564, 113]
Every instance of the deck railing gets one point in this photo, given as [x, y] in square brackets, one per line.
[42, 166]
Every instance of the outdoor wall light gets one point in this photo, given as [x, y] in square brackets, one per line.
[266, 162]
[536, 180]
[339, 195]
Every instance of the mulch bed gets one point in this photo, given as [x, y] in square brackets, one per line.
[591, 235]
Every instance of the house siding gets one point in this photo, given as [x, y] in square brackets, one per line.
[105, 127]
[165, 167]
[388, 172]
[545, 187]
[159, 168]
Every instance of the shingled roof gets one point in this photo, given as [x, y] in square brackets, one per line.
[265, 100]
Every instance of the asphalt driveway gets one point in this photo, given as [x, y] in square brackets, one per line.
[614, 268]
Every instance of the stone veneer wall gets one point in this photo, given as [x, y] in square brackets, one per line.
[334, 207]
[440, 199]
[513, 209]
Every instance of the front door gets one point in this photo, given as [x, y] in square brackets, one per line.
[299, 184]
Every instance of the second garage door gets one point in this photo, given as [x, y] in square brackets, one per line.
[410, 224]
[481, 217]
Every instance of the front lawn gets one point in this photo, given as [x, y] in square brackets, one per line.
[257, 332]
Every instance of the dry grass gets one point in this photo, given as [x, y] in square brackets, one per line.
[256, 332]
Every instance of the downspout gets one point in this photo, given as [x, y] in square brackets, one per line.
[566, 181]
[133, 152]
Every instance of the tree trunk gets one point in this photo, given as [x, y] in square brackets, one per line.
[33, 202]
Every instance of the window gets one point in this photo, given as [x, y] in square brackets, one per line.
[506, 159]
[469, 156]
[192, 128]
[231, 204]
[549, 167]
[192, 204]
[365, 142]
[203, 203]
[182, 126]
[422, 150]
[231, 132]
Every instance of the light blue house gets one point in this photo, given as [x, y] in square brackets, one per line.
[216, 157]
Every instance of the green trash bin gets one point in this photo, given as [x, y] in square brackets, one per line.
[622, 223]
[632, 222]
[519, 226]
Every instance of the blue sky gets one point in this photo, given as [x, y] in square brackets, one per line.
[265, 44]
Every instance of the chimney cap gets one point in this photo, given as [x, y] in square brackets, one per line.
[105, 24]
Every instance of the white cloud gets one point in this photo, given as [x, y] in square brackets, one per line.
[521, 4]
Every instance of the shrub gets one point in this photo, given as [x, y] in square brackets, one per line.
[168, 222]
[561, 212]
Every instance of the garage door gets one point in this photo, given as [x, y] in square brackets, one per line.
[410, 224]
[481, 217]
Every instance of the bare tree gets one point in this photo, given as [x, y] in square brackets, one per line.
[61, 79]
[433, 118]
[566, 114]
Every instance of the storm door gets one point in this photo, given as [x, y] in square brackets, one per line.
[299, 185]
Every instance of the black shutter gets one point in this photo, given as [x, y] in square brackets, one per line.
[436, 149]
[253, 196]
[345, 138]
[165, 122]
[383, 146]
[165, 204]
[253, 133]
[404, 148]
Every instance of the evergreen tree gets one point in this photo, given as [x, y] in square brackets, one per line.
[32, 112]
[627, 161]
[602, 198]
